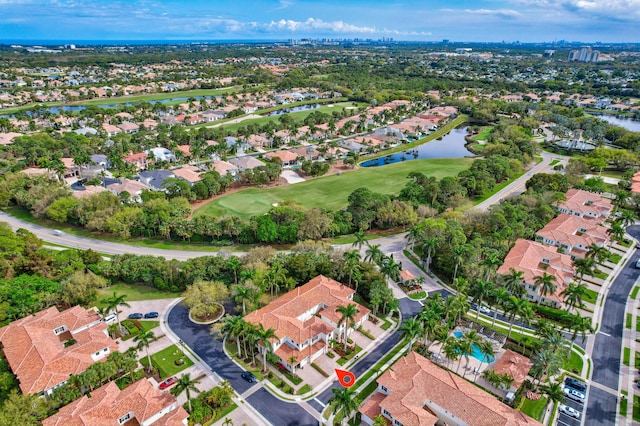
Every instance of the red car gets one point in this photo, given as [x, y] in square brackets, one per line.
[168, 383]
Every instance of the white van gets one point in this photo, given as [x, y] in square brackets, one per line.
[57, 232]
[109, 319]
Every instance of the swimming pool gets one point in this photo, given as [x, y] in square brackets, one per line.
[475, 352]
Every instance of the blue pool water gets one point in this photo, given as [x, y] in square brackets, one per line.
[476, 351]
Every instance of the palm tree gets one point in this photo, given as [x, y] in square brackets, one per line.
[235, 264]
[481, 290]
[579, 325]
[597, 253]
[373, 254]
[513, 282]
[459, 253]
[546, 283]
[487, 351]
[499, 299]
[293, 360]
[470, 338]
[265, 336]
[352, 264]
[343, 399]
[233, 327]
[185, 384]
[361, 239]
[347, 317]
[411, 329]
[451, 348]
[429, 245]
[554, 391]
[144, 339]
[243, 293]
[584, 266]
[515, 308]
[573, 295]
[491, 263]
[115, 301]
[390, 269]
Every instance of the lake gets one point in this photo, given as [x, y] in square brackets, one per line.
[627, 123]
[451, 145]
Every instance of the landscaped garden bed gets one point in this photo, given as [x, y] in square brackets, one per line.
[169, 361]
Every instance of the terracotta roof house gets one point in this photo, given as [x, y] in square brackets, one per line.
[416, 392]
[585, 203]
[287, 158]
[139, 160]
[574, 234]
[7, 138]
[133, 187]
[246, 162]
[189, 173]
[129, 127]
[305, 319]
[150, 124]
[110, 129]
[224, 167]
[138, 404]
[515, 365]
[35, 347]
[534, 259]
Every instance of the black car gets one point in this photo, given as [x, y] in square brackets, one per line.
[135, 315]
[151, 315]
[576, 384]
[249, 377]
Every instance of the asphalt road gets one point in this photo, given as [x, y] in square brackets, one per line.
[601, 405]
[200, 340]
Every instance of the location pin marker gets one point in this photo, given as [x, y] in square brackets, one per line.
[346, 378]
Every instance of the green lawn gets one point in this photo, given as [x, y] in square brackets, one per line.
[634, 292]
[331, 192]
[628, 320]
[624, 403]
[165, 361]
[534, 409]
[134, 292]
[590, 296]
[626, 356]
[484, 134]
[636, 408]
[574, 364]
[418, 296]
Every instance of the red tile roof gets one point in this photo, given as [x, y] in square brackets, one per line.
[416, 384]
[515, 365]
[575, 230]
[37, 355]
[108, 404]
[585, 202]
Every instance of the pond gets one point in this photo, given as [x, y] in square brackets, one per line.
[627, 123]
[451, 145]
[295, 109]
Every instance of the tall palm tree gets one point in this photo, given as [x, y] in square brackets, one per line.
[347, 317]
[390, 269]
[470, 338]
[374, 254]
[579, 326]
[352, 264]
[429, 245]
[487, 351]
[481, 290]
[114, 302]
[243, 293]
[490, 263]
[499, 299]
[584, 266]
[546, 283]
[597, 253]
[451, 348]
[144, 339]
[513, 282]
[344, 399]
[265, 335]
[411, 329]
[185, 384]
[233, 327]
[361, 239]
[573, 295]
[554, 391]
[515, 308]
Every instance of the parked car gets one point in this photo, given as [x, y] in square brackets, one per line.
[151, 315]
[572, 412]
[638, 264]
[109, 319]
[135, 315]
[168, 383]
[576, 384]
[574, 394]
[249, 377]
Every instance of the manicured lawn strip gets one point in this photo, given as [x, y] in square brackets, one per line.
[574, 363]
[499, 187]
[637, 360]
[387, 324]
[554, 413]
[221, 414]
[614, 258]
[624, 403]
[304, 389]
[343, 360]
[484, 134]
[164, 361]
[534, 409]
[590, 296]
[634, 292]
[331, 192]
[232, 350]
[418, 296]
[554, 162]
[627, 322]
[133, 292]
[626, 356]
[638, 323]
[148, 324]
[636, 408]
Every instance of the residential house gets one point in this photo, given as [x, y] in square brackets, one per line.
[213, 115]
[245, 163]
[534, 260]
[224, 167]
[86, 131]
[573, 234]
[162, 154]
[287, 158]
[44, 349]
[132, 187]
[305, 319]
[416, 392]
[150, 124]
[585, 203]
[515, 365]
[189, 173]
[154, 179]
[139, 160]
[138, 404]
[101, 161]
[7, 138]
[87, 191]
[128, 127]
[110, 129]
[308, 152]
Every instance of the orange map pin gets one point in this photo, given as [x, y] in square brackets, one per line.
[346, 378]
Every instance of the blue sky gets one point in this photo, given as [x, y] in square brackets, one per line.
[430, 20]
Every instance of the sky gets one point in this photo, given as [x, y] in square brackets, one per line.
[425, 20]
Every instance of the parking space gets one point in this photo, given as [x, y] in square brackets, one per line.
[566, 416]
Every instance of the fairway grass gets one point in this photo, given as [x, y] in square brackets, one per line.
[331, 192]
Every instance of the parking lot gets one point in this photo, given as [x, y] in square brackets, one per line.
[566, 420]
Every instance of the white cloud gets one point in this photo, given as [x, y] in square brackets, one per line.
[313, 24]
[284, 4]
[616, 9]
[503, 13]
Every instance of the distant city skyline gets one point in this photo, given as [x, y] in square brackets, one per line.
[607, 21]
